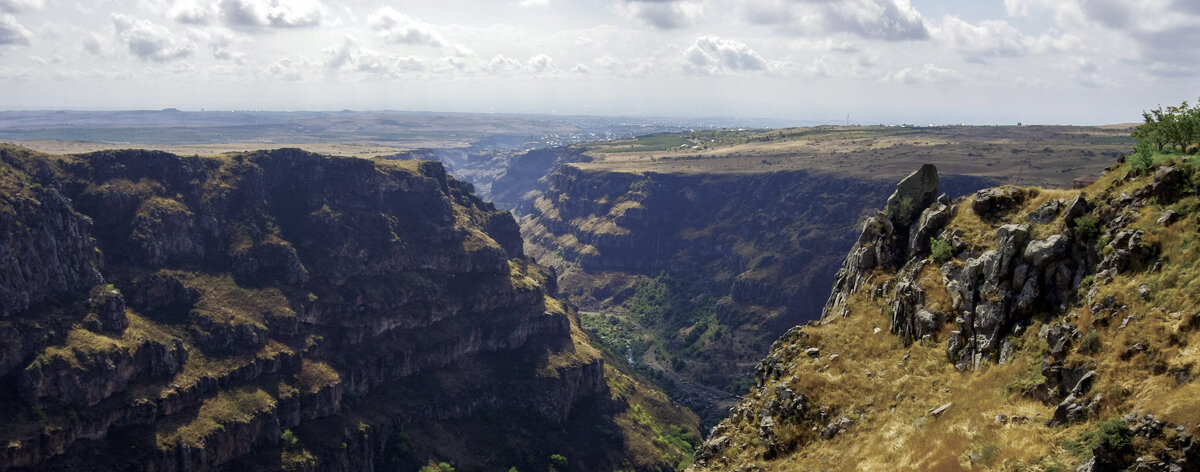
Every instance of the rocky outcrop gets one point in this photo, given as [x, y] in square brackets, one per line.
[992, 292]
[905, 227]
[914, 193]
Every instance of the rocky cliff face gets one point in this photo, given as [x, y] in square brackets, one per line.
[740, 257]
[281, 310]
[1030, 329]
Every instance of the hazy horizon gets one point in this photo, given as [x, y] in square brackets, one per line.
[1079, 62]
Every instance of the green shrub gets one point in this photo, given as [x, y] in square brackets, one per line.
[1090, 343]
[288, 438]
[558, 461]
[1113, 435]
[940, 250]
[1087, 226]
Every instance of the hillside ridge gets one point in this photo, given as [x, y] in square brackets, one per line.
[1030, 329]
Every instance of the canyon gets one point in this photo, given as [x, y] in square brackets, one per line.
[284, 310]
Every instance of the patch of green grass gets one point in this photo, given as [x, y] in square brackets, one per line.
[651, 143]
[940, 250]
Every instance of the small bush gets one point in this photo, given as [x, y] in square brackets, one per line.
[1090, 343]
[288, 438]
[558, 461]
[940, 250]
[1115, 435]
[1087, 226]
[1112, 435]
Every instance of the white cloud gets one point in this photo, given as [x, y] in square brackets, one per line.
[499, 64]
[888, 20]
[1163, 31]
[252, 14]
[450, 64]
[533, 3]
[14, 6]
[997, 38]
[662, 14]
[350, 57]
[710, 54]
[16, 74]
[91, 44]
[193, 12]
[148, 41]
[397, 27]
[927, 74]
[222, 49]
[541, 63]
[11, 32]
[287, 69]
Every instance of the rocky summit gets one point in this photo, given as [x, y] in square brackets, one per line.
[1012, 329]
[285, 310]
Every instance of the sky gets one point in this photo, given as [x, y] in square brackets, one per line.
[873, 61]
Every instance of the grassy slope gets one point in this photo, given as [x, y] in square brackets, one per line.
[888, 388]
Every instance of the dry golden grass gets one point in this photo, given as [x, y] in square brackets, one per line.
[82, 342]
[223, 300]
[892, 427]
[316, 375]
[228, 406]
[199, 367]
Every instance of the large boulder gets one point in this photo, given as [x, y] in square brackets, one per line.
[1046, 213]
[914, 193]
[992, 203]
[1076, 208]
[1168, 182]
[1041, 251]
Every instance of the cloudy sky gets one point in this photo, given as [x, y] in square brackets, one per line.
[935, 61]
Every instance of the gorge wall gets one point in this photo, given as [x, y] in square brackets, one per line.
[284, 310]
[715, 265]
